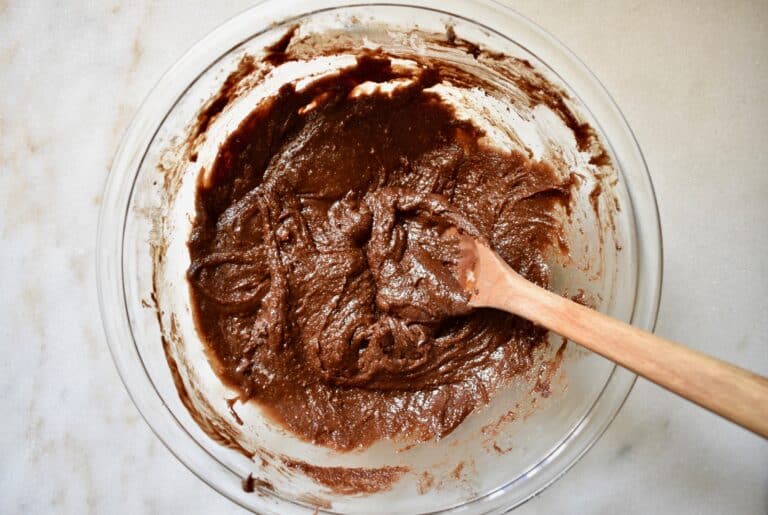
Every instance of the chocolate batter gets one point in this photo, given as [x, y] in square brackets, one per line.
[320, 275]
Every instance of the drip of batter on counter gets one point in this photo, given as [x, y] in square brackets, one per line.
[319, 249]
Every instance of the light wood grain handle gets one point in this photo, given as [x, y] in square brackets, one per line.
[725, 389]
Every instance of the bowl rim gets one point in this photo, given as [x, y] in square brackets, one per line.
[118, 191]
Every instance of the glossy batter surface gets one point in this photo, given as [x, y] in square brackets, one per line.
[320, 275]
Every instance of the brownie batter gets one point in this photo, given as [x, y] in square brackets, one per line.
[320, 258]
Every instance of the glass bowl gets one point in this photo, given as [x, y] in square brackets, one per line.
[142, 325]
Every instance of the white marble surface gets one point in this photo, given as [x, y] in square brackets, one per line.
[691, 78]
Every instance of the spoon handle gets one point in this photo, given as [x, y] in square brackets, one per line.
[732, 392]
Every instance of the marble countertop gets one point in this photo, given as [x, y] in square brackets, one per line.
[691, 79]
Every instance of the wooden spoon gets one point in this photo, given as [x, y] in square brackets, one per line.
[729, 391]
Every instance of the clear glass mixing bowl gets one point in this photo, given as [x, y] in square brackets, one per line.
[543, 446]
